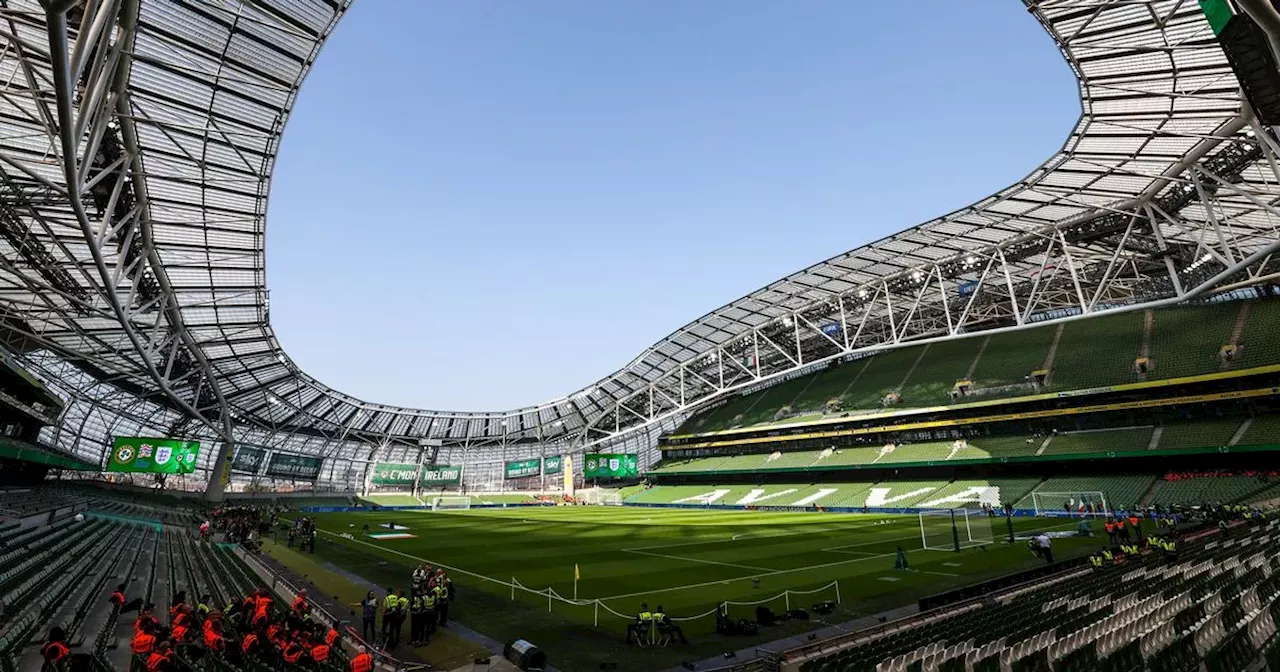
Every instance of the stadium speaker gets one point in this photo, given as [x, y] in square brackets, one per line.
[524, 655]
[1251, 58]
[824, 608]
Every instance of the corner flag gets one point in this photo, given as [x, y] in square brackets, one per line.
[576, 575]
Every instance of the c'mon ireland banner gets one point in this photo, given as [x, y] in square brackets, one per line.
[135, 454]
[394, 473]
[441, 474]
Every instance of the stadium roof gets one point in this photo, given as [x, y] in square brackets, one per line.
[138, 138]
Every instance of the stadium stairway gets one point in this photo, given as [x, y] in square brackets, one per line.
[1216, 603]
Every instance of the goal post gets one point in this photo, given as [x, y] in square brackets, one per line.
[954, 529]
[450, 503]
[1084, 503]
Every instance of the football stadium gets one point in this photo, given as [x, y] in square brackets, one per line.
[1040, 433]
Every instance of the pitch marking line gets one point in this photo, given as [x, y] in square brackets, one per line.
[838, 549]
[708, 562]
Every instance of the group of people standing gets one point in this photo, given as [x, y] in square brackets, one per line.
[251, 628]
[303, 531]
[425, 607]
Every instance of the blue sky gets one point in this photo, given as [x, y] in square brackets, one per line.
[481, 205]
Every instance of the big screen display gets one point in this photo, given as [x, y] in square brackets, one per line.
[136, 454]
[611, 465]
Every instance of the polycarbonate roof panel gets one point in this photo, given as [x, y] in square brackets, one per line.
[212, 83]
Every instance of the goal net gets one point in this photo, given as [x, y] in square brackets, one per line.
[954, 529]
[447, 503]
[1088, 503]
[602, 496]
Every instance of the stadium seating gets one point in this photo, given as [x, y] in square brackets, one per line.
[1177, 342]
[61, 574]
[1215, 602]
[886, 494]
[1216, 489]
[1262, 430]
[1257, 340]
[19, 502]
[1009, 358]
[1186, 341]
[1075, 443]
[1198, 434]
[1121, 492]
[978, 448]
[1081, 363]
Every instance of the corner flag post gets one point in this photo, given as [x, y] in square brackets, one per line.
[576, 575]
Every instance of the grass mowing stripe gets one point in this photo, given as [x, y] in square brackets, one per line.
[414, 557]
[709, 562]
[780, 572]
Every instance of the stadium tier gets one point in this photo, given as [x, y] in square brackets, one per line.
[1206, 434]
[1213, 608]
[1141, 346]
[962, 493]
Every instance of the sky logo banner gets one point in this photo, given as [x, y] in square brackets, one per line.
[248, 460]
[132, 454]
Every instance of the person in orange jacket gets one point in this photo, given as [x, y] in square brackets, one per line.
[363, 662]
[55, 649]
[160, 660]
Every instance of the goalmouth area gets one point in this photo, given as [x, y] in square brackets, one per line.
[515, 567]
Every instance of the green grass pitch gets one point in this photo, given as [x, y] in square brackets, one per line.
[686, 560]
